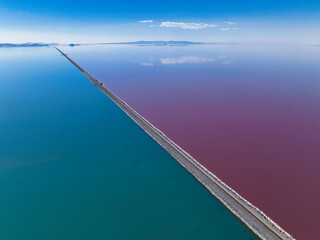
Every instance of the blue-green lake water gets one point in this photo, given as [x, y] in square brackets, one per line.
[74, 166]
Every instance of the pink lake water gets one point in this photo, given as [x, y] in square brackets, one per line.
[248, 113]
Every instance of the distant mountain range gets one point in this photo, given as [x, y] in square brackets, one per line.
[158, 43]
[140, 43]
[25, 45]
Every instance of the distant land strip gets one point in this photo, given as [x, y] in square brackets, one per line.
[250, 215]
[25, 45]
[156, 43]
[140, 43]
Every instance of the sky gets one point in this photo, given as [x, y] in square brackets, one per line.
[84, 21]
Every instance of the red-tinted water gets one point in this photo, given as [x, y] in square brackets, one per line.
[251, 117]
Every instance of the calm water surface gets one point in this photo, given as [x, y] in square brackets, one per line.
[74, 166]
[249, 113]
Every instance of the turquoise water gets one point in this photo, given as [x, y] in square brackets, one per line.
[74, 166]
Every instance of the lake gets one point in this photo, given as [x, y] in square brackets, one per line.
[74, 166]
[249, 113]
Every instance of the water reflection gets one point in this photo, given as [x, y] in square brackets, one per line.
[147, 64]
[221, 59]
[186, 59]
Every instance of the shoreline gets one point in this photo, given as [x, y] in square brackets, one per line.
[251, 216]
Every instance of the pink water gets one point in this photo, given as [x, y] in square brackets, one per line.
[250, 114]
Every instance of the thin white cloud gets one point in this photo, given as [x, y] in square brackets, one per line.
[152, 25]
[231, 23]
[186, 59]
[183, 25]
[146, 64]
[146, 21]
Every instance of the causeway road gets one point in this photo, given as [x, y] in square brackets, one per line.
[250, 215]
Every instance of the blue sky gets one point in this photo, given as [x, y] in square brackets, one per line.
[67, 21]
